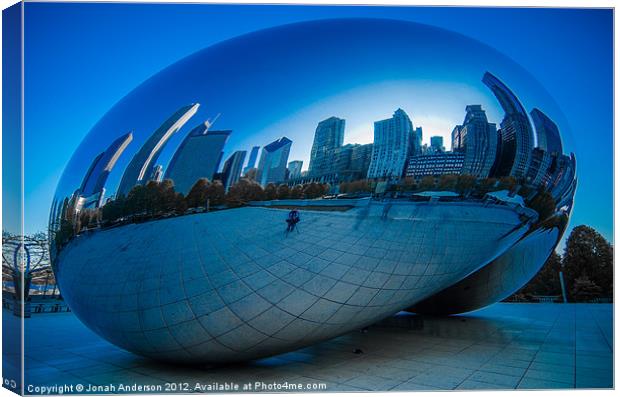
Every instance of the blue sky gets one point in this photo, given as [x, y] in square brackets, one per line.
[82, 59]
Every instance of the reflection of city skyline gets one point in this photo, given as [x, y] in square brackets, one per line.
[478, 148]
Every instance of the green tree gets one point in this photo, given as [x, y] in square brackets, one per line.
[312, 190]
[297, 192]
[216, 194]
[585, 290]
[283, 192]
[427, 183]
[543, 203]
[197, 196]
[465, 184]
[448, 182]
[271, 192]
[588, 255]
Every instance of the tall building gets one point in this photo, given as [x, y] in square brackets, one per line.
[158, 173]
[516, 137]
[391, 146]
[547, 133]
[198, 156]
[232, 168]
[92, 188]
[477, 140]
[328, 136]
[547, 150]
[457, 141]
[252, 159]
[563, 182]
[102, 165]
[437, 144]
[141, 166]
[273, 161]
[294, 169]
[416, 142]
[434, 164]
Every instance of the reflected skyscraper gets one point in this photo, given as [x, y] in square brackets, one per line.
[252, 159]
[437, 144]
[416, 142]
[97, 175]
[477, 139]
[198, 156]
[516, 138]
[391, 146]
[547, 133]
[273, 161]
[328, 136]
[294, 169]
[547, 150]
[232, 168]
[141, 166]
[158, 173]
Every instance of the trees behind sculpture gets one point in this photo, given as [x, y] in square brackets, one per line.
[588, 265]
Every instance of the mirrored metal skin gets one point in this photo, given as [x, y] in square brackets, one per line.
[230, 285]
[207, 271]
[500, 278]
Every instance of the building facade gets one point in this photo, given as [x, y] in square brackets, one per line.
[273, 162]
[198, 156]
[231, 172]
[548, 148]
[158, 173]
[516, 137]
[294, 169]
[252, 159]
[329, 135]
[477, 140]
[391, 146]
[141, 165]
[434, 164]
[437, 144]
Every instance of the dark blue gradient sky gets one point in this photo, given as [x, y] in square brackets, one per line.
[82, 59]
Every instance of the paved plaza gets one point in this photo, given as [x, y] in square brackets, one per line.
[504, 346]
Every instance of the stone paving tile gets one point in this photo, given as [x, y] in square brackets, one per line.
[438, 380]
[475, 385]
[370, 382]
[488, 349]
[412, 386]
[554, 376]
[506, 381]
[539, 384]
[544, 367]
[503, 369]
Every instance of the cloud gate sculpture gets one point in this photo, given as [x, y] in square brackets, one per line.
[169, 229]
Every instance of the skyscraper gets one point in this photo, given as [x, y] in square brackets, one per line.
[516, 135]
[547, 133]
[294, 169]
[97, 175]
[548, 148]
[141, 166]
[457, 142]
[437, 144]
[391, 146]
[328, 136]
[158, 173]
[232, 168]
[416, 142]
[252, 159]
[273, 161]
[477, 139]
[198, 156]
